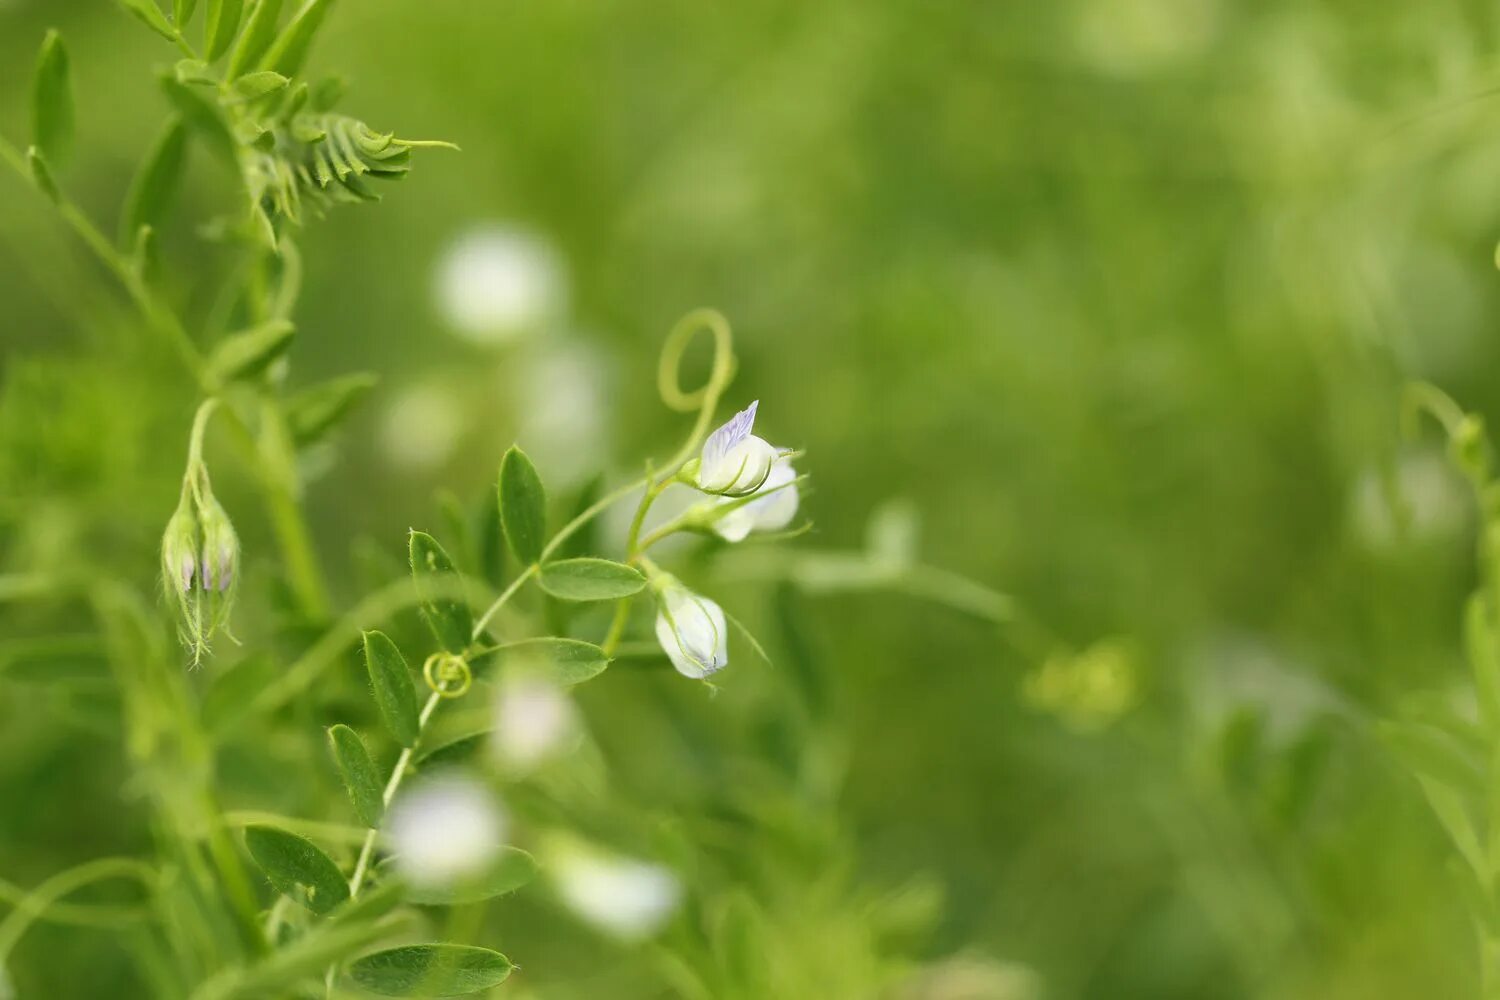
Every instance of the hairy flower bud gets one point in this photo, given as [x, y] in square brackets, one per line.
[221, 548]
[199, 563]
[691, 629]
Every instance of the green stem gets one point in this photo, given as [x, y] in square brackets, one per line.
[36, 903]
[506, 595]
[362, 866]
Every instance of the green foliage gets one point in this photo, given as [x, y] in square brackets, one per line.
[314, 412]
[523, 506]
[361, 780]
[297, 868]
[451, 620]
[52, 102]
[156, 182]
[248, 353]
[222, 23]
[589, 579]
[434, 970]
[151, 16]
[513, 870]
[395, 695]
[566, 661]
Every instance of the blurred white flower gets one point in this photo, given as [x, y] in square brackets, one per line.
[534, 719]
[495, 284]
[1423, 501]
[563, 393]
[444, 830]
[691, 630]
[624, 897]
[1130, 37]
[735, 462]
[421, 427]
[773, 508]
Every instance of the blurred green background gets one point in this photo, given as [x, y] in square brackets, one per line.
[1120, 294]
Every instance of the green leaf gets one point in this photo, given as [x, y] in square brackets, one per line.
[151, 16]
[290, 50]
[358, 771]
[222, 24]
[259, 84]
[52, 101]
[250, 352]
[450, 620]
[203, 117]
[41, 174]
[182, 12]
[590, 580]
[568, 661]
[455, 751]
[313, 412]
[297, 868]
[513, 870]
[523, 506]
[395, 694]
[430, 970]
[193, 71]
[155, 183]
[255, 38]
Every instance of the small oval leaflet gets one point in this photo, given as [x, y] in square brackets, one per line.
[151, 16]
[297, 868]
[523, 506]
[52, 101]
[451, 621]
[430, 970]
[513, 870]
[223, 21]
[568, 661]
[155, 183]
[312, 413]
[291, 46]
[250, 352]
[358, 771]
[259, 84]
[589, 579]
[395, 694]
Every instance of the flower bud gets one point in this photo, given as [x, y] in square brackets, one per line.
[772, 508]
[179, 551]
[199, 562]
[221, 548]
[691, 629]
[734, 462]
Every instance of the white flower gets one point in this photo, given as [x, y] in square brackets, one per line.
[444, 830]
[494, 284]
[624, 897]
[735, 462]
[692, 631]
[773, 508]
[533, 719]
[422, 427]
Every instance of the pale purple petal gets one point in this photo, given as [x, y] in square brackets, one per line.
[722, 441]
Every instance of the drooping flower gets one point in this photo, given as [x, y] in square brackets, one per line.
[691, 629]
[534, 718]
[734, 462]
[624, 897]
[772, 509]
[200, 554]
[444, 830]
